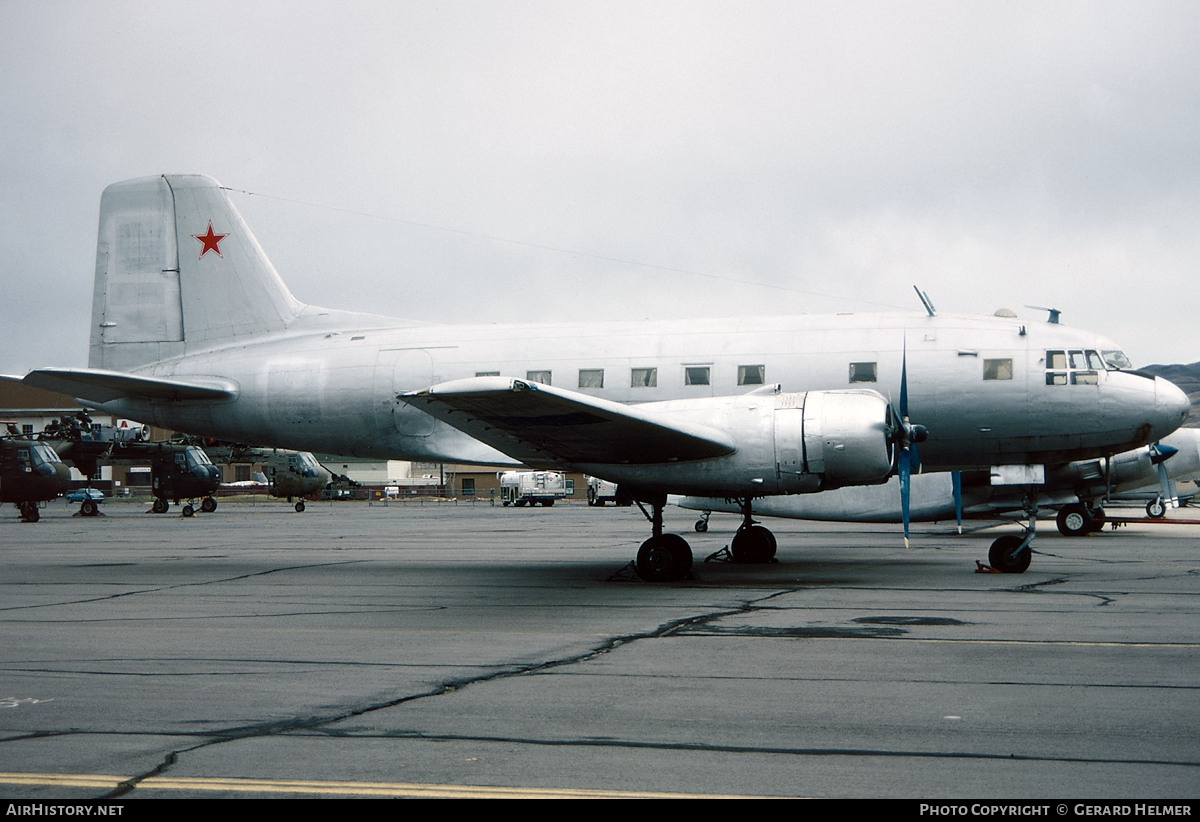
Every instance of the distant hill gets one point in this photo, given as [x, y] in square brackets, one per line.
[1186, 377]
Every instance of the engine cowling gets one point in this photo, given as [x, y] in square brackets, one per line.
[785, 444]
[846, 436]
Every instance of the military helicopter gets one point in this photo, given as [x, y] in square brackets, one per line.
[291, 474]
[178, 471]
[30, 472]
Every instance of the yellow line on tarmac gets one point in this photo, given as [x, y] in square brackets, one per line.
[323, 788]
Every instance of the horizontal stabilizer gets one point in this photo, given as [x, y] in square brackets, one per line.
[544, 426]
[99, 386]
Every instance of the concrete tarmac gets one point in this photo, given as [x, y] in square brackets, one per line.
[471, 650]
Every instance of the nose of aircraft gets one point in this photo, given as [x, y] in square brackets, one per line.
[1172, 406]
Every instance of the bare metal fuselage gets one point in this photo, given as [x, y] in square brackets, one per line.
[340, 391]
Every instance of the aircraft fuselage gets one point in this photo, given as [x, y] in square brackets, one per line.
[990, 390]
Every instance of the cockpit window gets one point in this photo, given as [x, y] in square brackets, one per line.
[1116, 360]
[196, 457]
[1073, 367]
[44, 454]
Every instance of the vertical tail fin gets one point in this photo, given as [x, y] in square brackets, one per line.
[177, 270]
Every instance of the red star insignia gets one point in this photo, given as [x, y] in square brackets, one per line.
[210, 241]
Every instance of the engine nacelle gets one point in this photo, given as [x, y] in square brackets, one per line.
[846, 436]
[785, 444]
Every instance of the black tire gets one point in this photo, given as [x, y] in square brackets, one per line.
[1098, 519]
[1074, 521]
[664, 559]
[299, 506]
[1156, 509]
[208, 505]
[188, 510]
[1001, 555]
[160, 505]
[754, 545]
[701, 526]
[88, 508]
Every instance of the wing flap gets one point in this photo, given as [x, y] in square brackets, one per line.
[99, 386]
[544, 426]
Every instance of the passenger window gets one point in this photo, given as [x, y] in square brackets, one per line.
[643, 378]
[752, 375]
[538, 376]
[999, 369]
[696, 375]
[862, 372]
[591, 378]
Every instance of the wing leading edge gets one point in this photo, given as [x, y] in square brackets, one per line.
[544, 426]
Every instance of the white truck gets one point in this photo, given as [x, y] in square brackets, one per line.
[521, 488]
[602, 491]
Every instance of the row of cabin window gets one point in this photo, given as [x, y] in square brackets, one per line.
[646, 377]
[997, 369]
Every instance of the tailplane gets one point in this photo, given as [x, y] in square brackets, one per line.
[178, 271]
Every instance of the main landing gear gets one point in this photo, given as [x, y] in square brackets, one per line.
[668, 557]
[752, 544]
[663, 557]
[1079, 519]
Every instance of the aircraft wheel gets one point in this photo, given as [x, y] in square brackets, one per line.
[664, 559]
[753, 545]
[1002, 556]
[188, 511]
[592, 497]
[160, 505]
[299, 506]
[1073, 521]
[88, 508]
[701, 526]
[1098, 519]
[1156, 509]
[208, 505]
[29, 511]
[547, 503]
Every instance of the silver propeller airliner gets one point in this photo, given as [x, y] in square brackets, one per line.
[194, 330]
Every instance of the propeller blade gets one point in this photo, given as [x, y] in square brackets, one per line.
[905, 471]
[956, 484]
[1159, 454]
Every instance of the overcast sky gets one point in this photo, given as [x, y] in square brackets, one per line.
[498, 161]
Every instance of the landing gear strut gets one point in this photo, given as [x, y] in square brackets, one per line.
[663, 557]
[752, 544]
[1011, 554]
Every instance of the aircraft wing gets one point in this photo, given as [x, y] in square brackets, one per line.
[99, 386]
[544, 426]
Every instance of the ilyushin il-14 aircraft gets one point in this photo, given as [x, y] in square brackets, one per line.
[194, 330]
[1078, 490]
